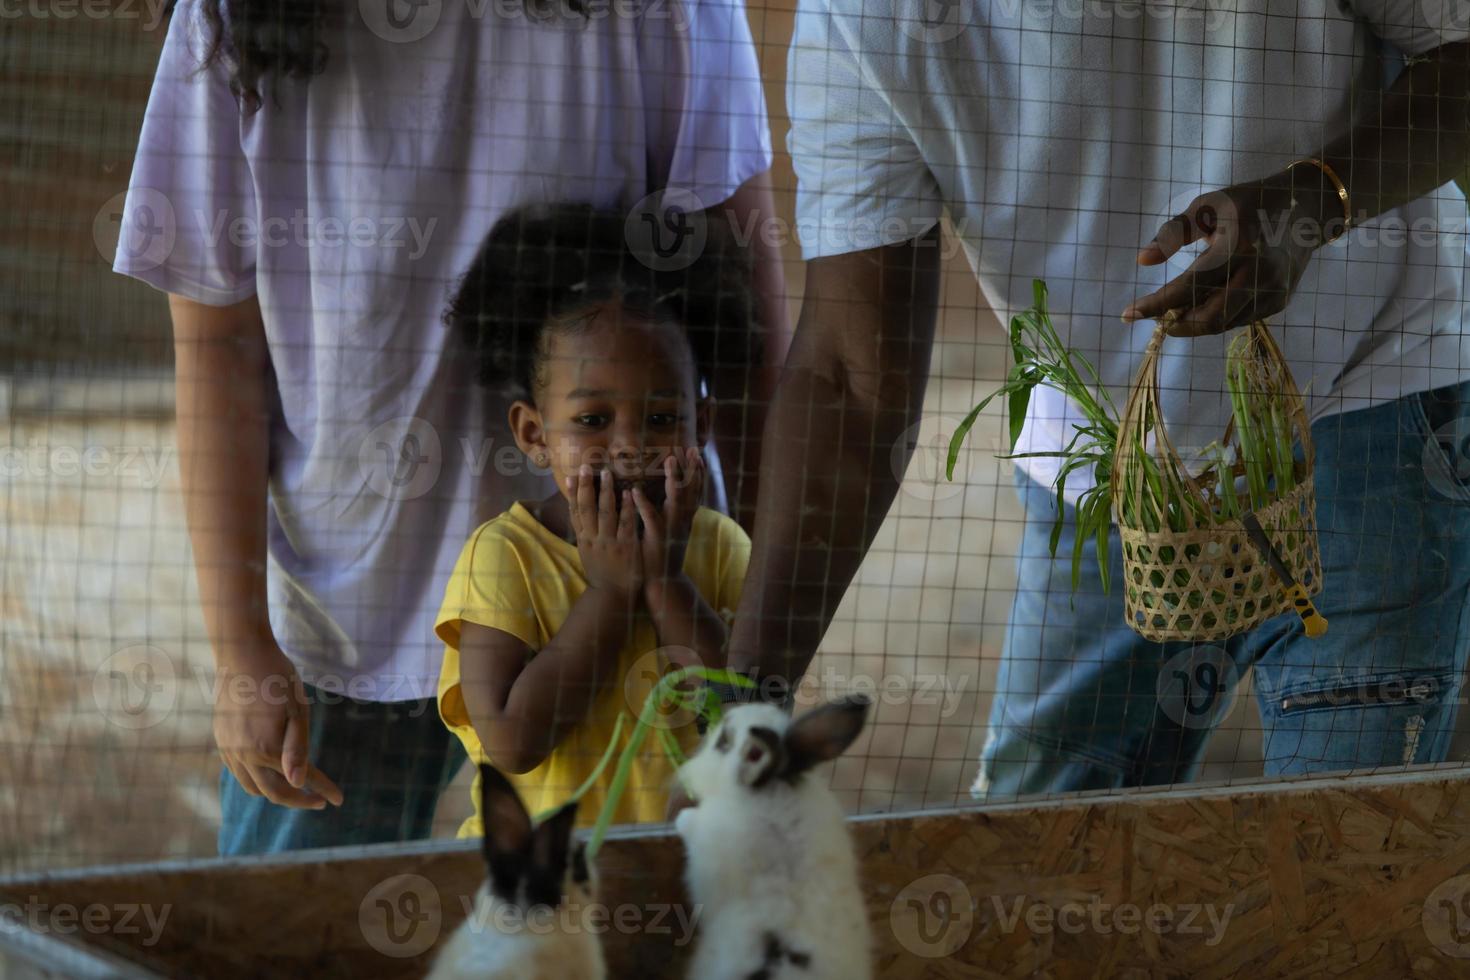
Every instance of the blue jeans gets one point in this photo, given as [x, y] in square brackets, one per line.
[392, 761]
[1082, 702]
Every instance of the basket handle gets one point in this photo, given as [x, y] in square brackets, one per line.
[1163, 442]
[1147, 369]
[1146, 385]
[1261, 332]
[1289, 387]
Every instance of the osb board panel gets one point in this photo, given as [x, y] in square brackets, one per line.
[1323, 879]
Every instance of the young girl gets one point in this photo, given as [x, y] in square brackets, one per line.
[563, 612]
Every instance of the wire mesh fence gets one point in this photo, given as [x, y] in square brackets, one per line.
[388, 471]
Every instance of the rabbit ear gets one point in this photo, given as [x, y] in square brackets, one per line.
[761, 757]
[551, 848]
[824, 733]
[581, 873]
[507, 831]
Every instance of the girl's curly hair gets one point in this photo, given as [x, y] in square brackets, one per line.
[549, 266]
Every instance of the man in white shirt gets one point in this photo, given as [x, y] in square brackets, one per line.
[1086, 144]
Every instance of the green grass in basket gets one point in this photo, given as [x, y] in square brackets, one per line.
[1154, 497]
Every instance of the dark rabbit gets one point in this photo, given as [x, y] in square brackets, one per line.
[529, 920]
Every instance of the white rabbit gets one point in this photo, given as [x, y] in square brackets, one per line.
[530, 917]
[770, 866]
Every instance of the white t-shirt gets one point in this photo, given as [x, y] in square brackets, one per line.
[1061, 135]
[351, 208]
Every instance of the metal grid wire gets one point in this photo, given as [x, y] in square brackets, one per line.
[107, 667]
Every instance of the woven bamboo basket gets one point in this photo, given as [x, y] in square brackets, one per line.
[1207, 582]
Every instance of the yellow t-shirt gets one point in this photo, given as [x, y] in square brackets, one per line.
[515, 575]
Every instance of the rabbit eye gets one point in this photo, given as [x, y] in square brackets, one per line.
[722, 744]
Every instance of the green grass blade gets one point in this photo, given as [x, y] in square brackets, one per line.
[596, 774]
[1019, 400]
[957, 441]
[1283, 448]
[619, 784]
[672, 748]
[1056, 527]
[663, 692]
[1079, 541]
[1020, 353]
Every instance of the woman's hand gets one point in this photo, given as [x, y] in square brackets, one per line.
[666, 534]
[607, 535]
[262, 726]
[1260, 237]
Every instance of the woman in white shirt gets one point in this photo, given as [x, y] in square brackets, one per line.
[311, 177]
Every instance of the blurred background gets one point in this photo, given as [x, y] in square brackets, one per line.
[97, 591]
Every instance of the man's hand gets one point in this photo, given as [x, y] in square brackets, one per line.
[1259, 238]
[262, 726]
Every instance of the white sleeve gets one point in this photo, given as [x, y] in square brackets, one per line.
[1416, 26]
[708, 128]
[861, 180]
[191, 181]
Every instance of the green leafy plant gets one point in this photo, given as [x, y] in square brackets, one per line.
[1040, 358]
[1258, 465]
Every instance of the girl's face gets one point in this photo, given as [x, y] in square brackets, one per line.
[616, 392]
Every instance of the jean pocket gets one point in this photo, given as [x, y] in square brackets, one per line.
[1378, 692]
[1444, 414]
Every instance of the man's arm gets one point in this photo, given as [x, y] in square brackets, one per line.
[1262, 234]
[742, 390]
[851, 387]
[1419, 139]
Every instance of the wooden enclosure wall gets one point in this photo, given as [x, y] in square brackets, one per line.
[1361, 877]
